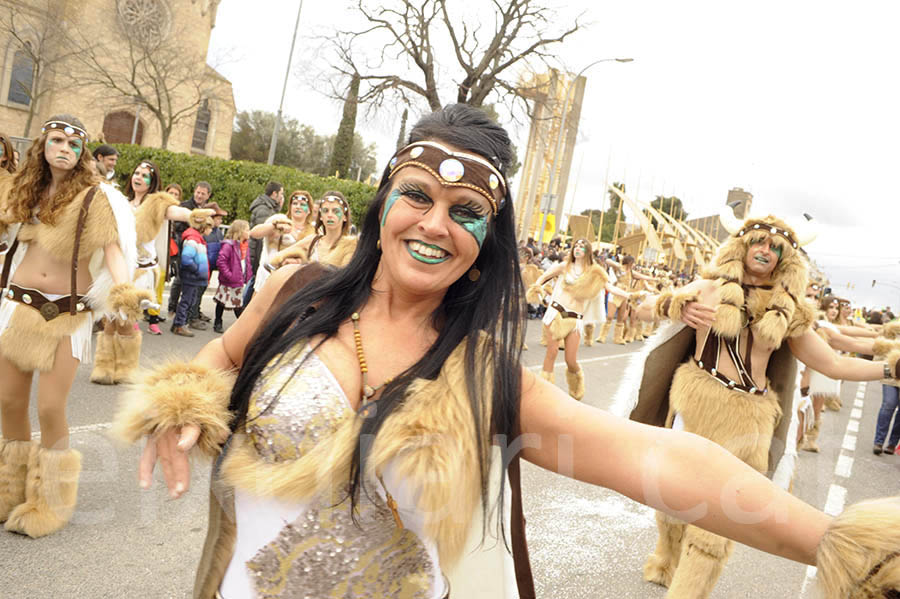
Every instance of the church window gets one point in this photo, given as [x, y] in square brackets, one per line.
[201, 126]
[22, 76]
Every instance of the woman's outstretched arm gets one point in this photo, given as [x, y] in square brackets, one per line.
[682, 474]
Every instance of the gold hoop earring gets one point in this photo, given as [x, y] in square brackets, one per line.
[474, 274]
[378, 244]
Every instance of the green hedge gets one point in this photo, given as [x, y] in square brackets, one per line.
[236, 183]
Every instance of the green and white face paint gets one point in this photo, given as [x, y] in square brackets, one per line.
[77, 146]
[388, 204]
[147, 180]
[476, 225]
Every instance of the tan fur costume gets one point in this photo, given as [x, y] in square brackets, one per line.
[151, 215]
[585, 288]
[339, 256]
[30, 342]
[51, 490]
[438, 410]
[13, 468]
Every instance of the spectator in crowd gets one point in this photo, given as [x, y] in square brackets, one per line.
[108, 156]
[214, 237]
[194, 272]
[263, 207]
[202, 193]
[233, 263]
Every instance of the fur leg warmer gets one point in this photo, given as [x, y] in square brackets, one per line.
[128, 354]
[174, 395]
[548, 376]
[619, 334]
[51, 490]
[604, 332]
[104, 372]
[703, 556]
[808, 443]
[13, 468]
[589, 334]
[859, 556]
[833, 403]
[575, 381]
[661, 564]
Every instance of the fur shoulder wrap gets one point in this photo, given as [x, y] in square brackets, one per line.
[151, 215]
[430, 439]
[176, 394]
[530, 275]
[589, 284]
[100, 228]
[341, 253]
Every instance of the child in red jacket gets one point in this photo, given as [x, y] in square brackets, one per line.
[233, 263]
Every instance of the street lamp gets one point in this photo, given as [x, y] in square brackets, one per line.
[559, 135]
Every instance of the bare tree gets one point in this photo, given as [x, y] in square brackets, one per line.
[39, 35]
[489, 60]
[151, 70]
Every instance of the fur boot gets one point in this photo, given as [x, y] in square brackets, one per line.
[660, 566]
[604, 332]
[104, 372]
[589, 334]
[51, 490]
[548, 376]
[619, 334]
[808, 442]
[629, 332]
[128, 354]
[13, 468]
[575, 381]
[703, 555]
[544, 336]
[833, 403]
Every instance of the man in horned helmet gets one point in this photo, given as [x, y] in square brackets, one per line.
[728, 375]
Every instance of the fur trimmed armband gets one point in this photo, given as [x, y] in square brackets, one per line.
[173, 395]
[671, 305]
[859, 556]
[883, 347]
[535, 294]
[891, 330]
[125, 300]
[893, 360]
[198, 217]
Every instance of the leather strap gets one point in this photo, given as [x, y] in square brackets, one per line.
[7, 264]
[79, 228]
[524, 577]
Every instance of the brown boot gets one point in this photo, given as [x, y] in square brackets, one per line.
[13, 469]
[51, 490]
[104, 372]
[589, 334]
[575, 381]
[128, 354]
[548, 376]
[604, 332]
[619, 334]
[808, 442]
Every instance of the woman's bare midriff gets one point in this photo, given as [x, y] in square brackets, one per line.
[569, 302]
[42, 271]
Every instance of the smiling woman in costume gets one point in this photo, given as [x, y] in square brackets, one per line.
[67, 247]
[381, 387]
[330, 243]
[279, 232]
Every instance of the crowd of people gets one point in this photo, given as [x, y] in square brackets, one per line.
[367, 410]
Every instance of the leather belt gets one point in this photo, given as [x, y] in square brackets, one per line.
[48, 308]
[148, 264]
[563, 312]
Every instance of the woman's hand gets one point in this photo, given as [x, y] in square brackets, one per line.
[696, 315]
[171, 447]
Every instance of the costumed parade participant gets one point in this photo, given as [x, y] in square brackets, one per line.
[331, 243]
[119, 345]
[746, 320]
[67, 248]
[579, 280]
[632, 282]
[382, 386]
[280, 232]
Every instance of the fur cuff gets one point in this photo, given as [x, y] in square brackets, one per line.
[892, 330]
[173, 395]
[125, 300]
[859, 556]
[679, 301]
[882, 346]
[893, 360]
[534, 295]
[663, 305]
[198, 217]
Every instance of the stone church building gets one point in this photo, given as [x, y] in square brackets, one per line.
[39, 76]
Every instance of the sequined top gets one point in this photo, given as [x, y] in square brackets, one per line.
[313, 549]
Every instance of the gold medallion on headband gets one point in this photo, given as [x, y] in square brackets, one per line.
[454, 169]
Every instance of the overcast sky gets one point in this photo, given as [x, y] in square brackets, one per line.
[794, 101]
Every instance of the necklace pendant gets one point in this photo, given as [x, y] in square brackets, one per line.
[368, 391]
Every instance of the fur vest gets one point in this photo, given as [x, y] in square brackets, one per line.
[339, 255]
[588, 285]
[151, 214]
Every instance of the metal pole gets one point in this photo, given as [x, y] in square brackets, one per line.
[274, 143]
[562, 126]
[137, 119]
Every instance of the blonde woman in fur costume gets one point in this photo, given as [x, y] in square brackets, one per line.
[119, 345]
[280, 232]
[413, 348]
[47, 301]
[633, 282]
[741, 313]
[579, 280]
[331, 243]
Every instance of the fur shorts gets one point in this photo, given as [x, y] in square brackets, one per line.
[561, 327]
[742, 423]
[30, 342]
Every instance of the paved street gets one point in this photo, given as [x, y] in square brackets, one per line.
[586, 542]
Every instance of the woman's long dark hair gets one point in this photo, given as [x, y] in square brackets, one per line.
[491, 305]
[154, 179]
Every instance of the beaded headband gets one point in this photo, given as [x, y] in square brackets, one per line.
[67, 128]
[749, 227]
[454, 169]
[342, 201]
[146, 165]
